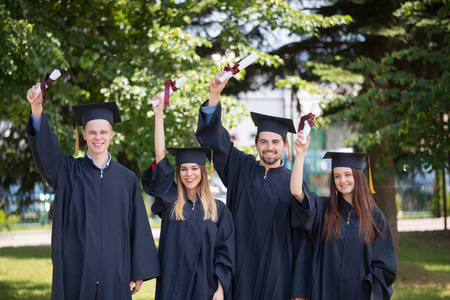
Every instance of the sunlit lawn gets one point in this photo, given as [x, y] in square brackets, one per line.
[25, 273]
[424, 270]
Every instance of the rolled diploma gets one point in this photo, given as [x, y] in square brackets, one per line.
[306, 129]
[178, 83]
[53, 76]
[242, 65]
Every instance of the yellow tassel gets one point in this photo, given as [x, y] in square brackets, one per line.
[77, 140]
[211, 169]
[370, 178]
[289, 149]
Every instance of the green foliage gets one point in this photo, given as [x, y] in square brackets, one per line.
[6, 221]
[405, 99]
[302, 84]
[124, 51]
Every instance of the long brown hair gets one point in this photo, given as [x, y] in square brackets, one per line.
[363, 205]
[204, 193]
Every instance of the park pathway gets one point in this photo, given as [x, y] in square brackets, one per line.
[43, 237]
[37, 237]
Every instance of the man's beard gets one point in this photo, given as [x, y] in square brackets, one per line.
[270, 160]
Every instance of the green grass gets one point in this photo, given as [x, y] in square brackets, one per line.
[424, 268]
[25, 273]
[29, 227]
[423, 273]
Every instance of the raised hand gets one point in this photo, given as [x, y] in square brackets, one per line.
[301, 144]
[215, 88]
[36, 104]
[160, 107]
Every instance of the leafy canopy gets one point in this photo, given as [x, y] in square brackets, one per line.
[124, 51]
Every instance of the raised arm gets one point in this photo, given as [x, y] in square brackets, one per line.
[160, 144]
[157, 180]
[36, 105]
[297, 169]
[47, 154]
[211, 133]
[215, 88]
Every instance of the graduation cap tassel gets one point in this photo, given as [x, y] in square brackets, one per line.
[370, 178]
[211, 169]
[77, 139]
[289, 149]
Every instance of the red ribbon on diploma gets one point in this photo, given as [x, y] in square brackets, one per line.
[46, 80]
[310, 118]
[234, 70]
[167, 85]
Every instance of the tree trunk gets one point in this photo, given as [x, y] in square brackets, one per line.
[385, 191]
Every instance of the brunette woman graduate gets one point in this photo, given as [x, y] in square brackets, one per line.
[196, 246]
[354, 254]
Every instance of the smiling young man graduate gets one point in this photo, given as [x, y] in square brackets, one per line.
[269, 263]
[102, 245]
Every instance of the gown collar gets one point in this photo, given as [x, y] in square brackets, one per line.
[102, 168]
[345, 206]
[277, 169]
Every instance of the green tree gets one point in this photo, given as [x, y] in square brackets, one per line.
[397, 53]
[124, 51]
[389, 71]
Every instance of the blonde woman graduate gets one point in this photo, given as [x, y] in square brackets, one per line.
[354, 255]
[196, 246]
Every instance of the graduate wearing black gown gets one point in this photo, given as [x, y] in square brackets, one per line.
[348, 264]
[101, 238]
[196, 252]
[269, 262]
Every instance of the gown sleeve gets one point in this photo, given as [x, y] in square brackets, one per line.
[302, 266]
[226, 157]
[144, 258]
[308, 215]
[224, 249]
[47, 153]
[158, 182]
[383, 267]
[303, 219]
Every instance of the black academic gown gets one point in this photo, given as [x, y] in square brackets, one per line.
[194, 253]
[268, 263]
[348, 268]
[101, 237]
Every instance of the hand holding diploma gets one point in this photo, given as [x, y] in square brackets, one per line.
[45, 82]
[229, 72]
[170, 87]
[307, 121]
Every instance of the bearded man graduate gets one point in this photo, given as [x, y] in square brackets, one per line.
[102, 245]
[272, 254]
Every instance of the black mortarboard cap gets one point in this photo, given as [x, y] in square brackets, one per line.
[195, 155]
[273, 124]
[101, 110]
[347, 159]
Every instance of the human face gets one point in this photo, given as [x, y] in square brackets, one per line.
[344, 181]
[270, 147]
[98, 134]
[190, 175]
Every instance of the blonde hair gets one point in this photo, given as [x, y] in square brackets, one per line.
[205, 195]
